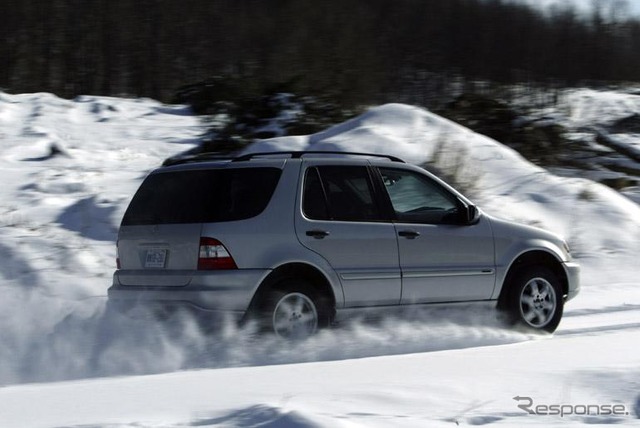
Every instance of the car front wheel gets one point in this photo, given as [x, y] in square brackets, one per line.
[535, 299]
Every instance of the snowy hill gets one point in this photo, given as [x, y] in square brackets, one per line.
[603, 128]
[69, 169]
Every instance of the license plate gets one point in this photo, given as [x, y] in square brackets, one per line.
[156, 258]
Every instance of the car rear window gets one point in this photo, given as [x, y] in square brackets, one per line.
[202, 196]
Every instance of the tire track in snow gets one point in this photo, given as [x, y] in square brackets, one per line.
[600, 320]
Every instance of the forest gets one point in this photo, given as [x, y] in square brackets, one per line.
[356, 51]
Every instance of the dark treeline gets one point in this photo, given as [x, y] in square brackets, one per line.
[361, 51]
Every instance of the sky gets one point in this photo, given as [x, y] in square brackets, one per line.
[587, 5]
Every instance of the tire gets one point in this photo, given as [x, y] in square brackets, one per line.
[293, 310]
[535, 299]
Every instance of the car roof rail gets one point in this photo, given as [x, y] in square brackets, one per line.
[299, 154]
[199, 157]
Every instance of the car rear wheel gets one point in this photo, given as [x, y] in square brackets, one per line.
[294, 310]
[535, 299]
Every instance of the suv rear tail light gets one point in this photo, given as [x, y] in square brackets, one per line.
[214, 255]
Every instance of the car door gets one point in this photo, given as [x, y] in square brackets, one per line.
[340, 218]
[442, 257]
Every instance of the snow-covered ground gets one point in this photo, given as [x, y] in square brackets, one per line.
[68, 171]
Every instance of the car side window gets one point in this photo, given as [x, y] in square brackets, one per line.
[339, 193]
[417, 199]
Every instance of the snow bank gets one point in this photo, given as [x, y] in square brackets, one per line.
[587, 107]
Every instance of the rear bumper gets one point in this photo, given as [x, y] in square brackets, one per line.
[219, 291]
[573, 279]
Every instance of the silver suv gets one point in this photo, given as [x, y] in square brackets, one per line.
[295, 239]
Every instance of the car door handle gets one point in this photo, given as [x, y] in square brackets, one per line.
[318, 234]
[409, 234]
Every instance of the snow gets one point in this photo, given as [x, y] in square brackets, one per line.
[69, 169]
[587, 107]
[603, 128]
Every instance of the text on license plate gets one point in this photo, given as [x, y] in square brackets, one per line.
[156, 258]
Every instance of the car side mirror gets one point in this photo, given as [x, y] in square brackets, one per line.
[470, 214]
[462, 215]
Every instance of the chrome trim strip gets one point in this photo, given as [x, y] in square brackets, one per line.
[347, 276]
[433, 274]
